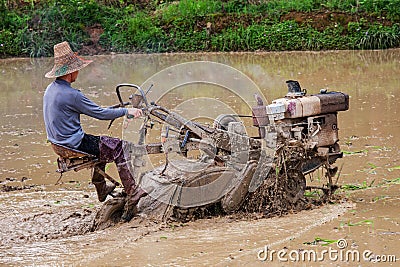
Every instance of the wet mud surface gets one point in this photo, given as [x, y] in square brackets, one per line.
[46, 224]
[59, 232]
[41, 216]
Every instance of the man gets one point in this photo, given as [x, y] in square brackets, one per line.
[62, 107]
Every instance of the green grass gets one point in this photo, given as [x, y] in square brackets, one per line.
[321, 241]
[363, 222]
[32, 27]
[352, 187]
[391, 182]
[354, 152]
[312, 194]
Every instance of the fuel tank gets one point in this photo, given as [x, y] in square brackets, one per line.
[297, 104]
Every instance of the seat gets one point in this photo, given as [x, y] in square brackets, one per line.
[73, 159]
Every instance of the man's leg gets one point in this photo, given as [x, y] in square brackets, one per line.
[90, 144]
[102, 188]
[112, 149]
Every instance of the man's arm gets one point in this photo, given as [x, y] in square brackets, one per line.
[86, 106]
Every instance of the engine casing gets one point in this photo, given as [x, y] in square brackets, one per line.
[297, 117]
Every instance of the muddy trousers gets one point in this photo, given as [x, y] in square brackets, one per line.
[112, 150]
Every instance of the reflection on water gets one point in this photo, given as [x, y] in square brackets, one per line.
[371, 78]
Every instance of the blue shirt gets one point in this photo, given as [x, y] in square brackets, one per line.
[62, 107]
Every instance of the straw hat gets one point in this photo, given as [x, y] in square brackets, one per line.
[66, 61]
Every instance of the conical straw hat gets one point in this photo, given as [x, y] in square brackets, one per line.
[66, 61]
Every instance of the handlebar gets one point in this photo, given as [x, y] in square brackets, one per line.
[137, 87]
[123, 104]
[119, 105]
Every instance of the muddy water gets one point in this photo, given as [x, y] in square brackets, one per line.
[39, 224]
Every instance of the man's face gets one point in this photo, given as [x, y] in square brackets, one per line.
[74, 76]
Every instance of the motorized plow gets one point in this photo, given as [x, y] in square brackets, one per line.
[233, 171]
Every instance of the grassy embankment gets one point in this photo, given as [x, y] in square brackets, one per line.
[31, 27]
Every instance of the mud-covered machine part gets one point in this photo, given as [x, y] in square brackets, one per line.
[297, 135]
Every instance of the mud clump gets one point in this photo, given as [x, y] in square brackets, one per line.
[45, 226]
[10, 188]
[32, 216]
[13, 184]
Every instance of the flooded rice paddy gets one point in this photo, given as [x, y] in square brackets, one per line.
[43, 224]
